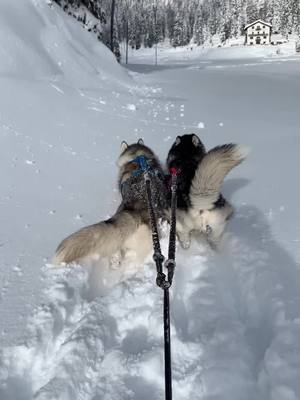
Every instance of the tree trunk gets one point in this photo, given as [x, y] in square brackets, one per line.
[112, 20]
[127, 40]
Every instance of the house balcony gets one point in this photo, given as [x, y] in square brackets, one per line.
[257, 34]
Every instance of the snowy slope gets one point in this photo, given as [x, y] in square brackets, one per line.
[38, 41]
[57, 82]
[73, 333]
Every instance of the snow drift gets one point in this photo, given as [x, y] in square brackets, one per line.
[38, 41]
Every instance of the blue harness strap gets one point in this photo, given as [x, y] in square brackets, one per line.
[142, 163]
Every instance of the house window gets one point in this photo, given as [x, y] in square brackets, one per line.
[258, 28]
[265, 37]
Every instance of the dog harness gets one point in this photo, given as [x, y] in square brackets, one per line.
[133, 189]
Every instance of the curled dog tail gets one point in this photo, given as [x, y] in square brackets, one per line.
[102, 239]
[209, 176]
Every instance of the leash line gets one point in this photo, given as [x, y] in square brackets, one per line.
[163, 281]
[157, 255]
[167, 340]
[170, 264]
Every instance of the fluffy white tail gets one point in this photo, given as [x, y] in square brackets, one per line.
[103, 239]
[209, 176]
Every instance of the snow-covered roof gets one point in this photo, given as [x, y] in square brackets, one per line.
[255, 22]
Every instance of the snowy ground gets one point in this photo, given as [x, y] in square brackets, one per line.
[65, 106]
[234, 50]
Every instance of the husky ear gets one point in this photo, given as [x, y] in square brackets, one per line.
[140, 141]
[177, 141]
[196, 141]
[124, 146]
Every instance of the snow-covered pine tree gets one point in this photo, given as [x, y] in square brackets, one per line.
[146, 22]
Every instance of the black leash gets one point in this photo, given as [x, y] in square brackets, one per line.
[161, 280]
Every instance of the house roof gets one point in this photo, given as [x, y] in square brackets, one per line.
[255, 22]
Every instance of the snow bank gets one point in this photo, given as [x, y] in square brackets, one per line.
[38, 41]
[60, 90]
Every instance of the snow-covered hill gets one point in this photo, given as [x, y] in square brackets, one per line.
[73, 333]
[38, 41]
[60, 90]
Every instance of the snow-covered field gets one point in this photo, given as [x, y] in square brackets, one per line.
[73, 333]
[234, 50]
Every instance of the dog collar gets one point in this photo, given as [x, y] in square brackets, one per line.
[174, 171]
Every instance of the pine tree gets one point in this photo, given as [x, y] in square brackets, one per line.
[182, 21]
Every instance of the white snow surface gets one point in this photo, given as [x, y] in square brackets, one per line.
[96, 334]
[207, 54]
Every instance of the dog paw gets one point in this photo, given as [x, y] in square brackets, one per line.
[208, 230]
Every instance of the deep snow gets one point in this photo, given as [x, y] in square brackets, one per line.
[70, 333]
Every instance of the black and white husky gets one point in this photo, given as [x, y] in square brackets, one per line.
[127, 234]
[201, 206]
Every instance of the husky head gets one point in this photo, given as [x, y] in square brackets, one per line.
[129, 152]
[187, 149]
